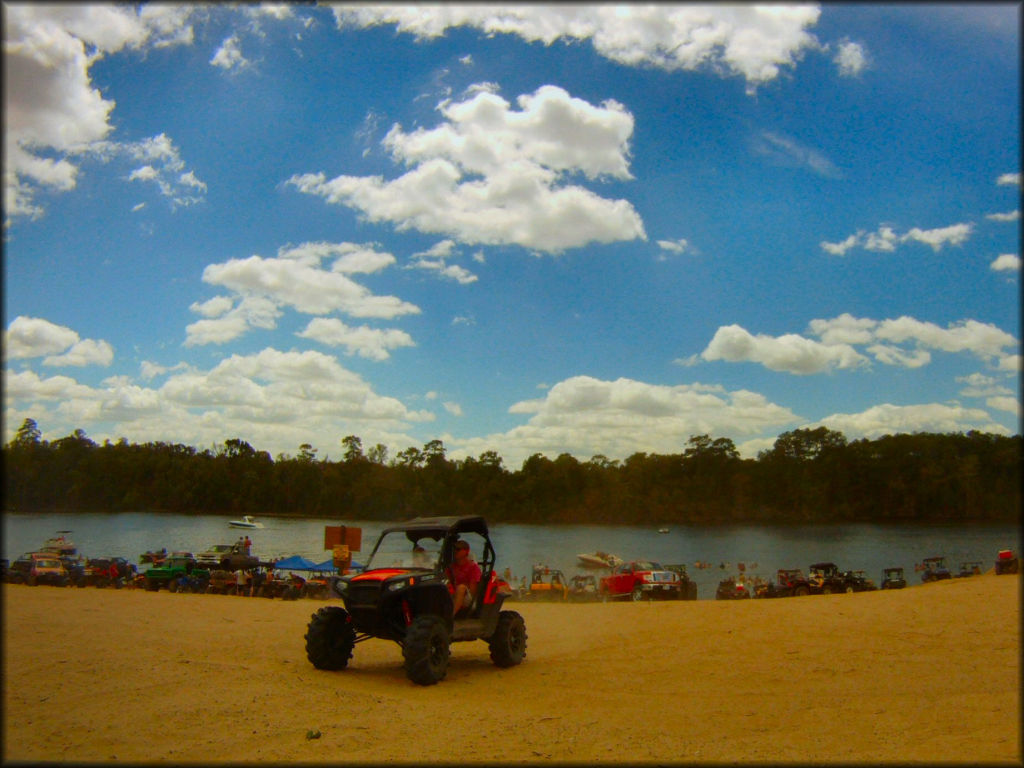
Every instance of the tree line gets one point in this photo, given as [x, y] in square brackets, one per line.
[808, 476]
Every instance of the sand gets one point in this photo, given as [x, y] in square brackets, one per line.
[929, 673]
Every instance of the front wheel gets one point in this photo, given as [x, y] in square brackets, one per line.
[330, 638]
[849, 590]
[508, 643]
[426, 650]
[637, 594]
[801, 592]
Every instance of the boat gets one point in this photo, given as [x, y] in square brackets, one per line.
[247, 521]
[599, 560]
[60, 545]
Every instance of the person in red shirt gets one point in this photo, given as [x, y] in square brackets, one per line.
[465, 576]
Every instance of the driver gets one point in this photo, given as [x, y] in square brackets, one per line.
[465, 576]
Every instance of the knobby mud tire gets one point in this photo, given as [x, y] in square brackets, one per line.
[508, 643]
[330, 638]
[426, 650]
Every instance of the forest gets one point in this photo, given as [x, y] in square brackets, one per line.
[808, 476]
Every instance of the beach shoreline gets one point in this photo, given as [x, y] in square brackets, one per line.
[928, 673]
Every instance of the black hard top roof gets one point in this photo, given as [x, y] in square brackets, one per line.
[823, 566]
[438, 527]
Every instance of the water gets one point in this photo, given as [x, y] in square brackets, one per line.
[864, 547]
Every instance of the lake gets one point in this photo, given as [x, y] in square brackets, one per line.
[762, 549]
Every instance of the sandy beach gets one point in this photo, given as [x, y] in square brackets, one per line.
[928, 673]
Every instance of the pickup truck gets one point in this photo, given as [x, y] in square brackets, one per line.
[173, 568]
[641, 580]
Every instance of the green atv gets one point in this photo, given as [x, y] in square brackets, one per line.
[403, 594]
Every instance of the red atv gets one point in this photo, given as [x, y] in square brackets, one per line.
[404, 594]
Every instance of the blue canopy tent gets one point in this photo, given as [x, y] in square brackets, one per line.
[328, 565]
[300, 563]
[295, 563]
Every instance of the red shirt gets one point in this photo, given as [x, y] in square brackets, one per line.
[468, 572]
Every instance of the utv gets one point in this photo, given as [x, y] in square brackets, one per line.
[892, 578]
[404, 594]
[934, 569]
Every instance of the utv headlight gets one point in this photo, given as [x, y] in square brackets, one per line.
[394, 586]
[341, 586]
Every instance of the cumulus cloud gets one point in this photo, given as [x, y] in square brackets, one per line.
[681, 245]
[887, 419]
[850, 59]
[296, 279]
[275, 400]
[754, 42]
[229, 56]
[494, 175]
[797, 354]
[1006, 262]
[50, 104]
[371, 343]
[584, 416]
[790, 353]
[58, 345]
[885, 238]
[435, 259]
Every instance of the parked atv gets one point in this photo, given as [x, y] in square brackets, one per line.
[1007, 562]
[892, 578]
[404, 594]
[934, 569]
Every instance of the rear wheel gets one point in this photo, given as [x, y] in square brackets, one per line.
[508, 643]
[426, 650]
[800, 591]
[826, 590]
[849, 590]
[330, 638]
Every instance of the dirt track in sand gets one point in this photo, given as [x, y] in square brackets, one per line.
[929, 673]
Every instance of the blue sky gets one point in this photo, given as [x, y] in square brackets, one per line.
[583, 229]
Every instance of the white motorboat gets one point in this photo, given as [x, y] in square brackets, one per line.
[247, 521]
[599, 560]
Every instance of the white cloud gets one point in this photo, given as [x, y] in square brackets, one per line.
[34, 337]
[1004, 403]
[1004, 217]
[585, 416]
[50, 104]
[296, 279]
[754, 42]
[790, 353]
[840, 248]
[275, 400]
[787, 151]
[492, 175]
[229, 56]
[1009, 363]
[371, 343]
[82, 353]
[28, 337]
[982, 339]
[796, 354]
[453, 408]
[850, 59]
[435, 259]
[956, 234]
[980, 385]
[1006, 262]
[887, 419]
[885, 239]
[1009, 180]
[674, 246]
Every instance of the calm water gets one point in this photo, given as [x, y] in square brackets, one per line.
[867, 547]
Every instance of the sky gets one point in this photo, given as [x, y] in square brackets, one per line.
[598, 230]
